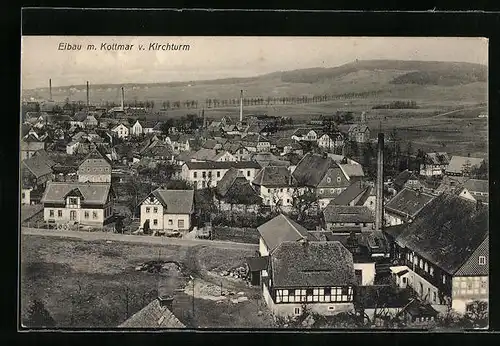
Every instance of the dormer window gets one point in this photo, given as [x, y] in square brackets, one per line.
[482, 260]
[73, 200]
[329, 180]
[338, 179]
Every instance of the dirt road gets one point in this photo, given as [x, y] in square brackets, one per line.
[136, 238]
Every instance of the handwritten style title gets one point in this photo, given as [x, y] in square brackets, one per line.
[114, 47]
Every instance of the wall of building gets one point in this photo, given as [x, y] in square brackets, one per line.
[171, 221]
[466, 289]
[424, 288]
[94, 178]
[392, 219]
[155, 213]
[263, 248]
[367, 273]
[84, 216]
[284, 193]
[25, 196]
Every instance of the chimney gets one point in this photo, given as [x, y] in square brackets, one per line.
[50, 89]
[241, 106]
[166, 301]
[87, 96]
[123, 98]
[379, 203]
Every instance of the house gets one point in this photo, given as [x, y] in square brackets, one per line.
[35, 173]
[274, 185]
[277, 230]
[268, 159]
[136, 129]
[82, 203]
[434, 164]
[224, 155]
[179, 142]
[148, 126]
[95, 168]
[353, 172]
[405, 206]
[408, 179]
[235, 192]
[359, 133]
[288, 145]
[338, 217]
[121, 131]
[321, 175]
[478, 189]
[157, 150]
[318, 276]
[29, 145]
[239, 151]
[256, 143]
[352, 195]
[455, 185]
[208, 173]
[418, 313]
[462, 165]
[204, 155]
[445, 251]
[79, 119]
[303, 134]
[168, 209]
[156, 315]
[90, 121]
[331, 141]
[182, 158]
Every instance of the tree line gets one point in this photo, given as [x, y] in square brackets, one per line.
[398, 105]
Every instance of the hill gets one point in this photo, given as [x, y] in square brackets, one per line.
[360, 79]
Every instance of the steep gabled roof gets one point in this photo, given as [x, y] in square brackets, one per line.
[472, 267]
[93, 193]
[175, 201]
[347, 214]
[273, 176]
[281, 229]
[408, 202]
[96, 153]
[38, 166]
[227, 181]
[457, 163]
[446, 231]
[204, 154]
[350, 193]
[153, 316]
[311, 264]
[312, 168]
[352, 170]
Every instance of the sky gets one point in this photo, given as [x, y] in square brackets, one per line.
[221, 57]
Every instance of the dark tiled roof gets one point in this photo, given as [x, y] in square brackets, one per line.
[349, 194]
[476, 185]
[38, 165]
[175, 201]
[472, 266]
[204, 154]
[352, 170]
[408, 202]
[153, 316]
[93, 193]
[228, 180]
[222, 165]
[312, 168]
[96, 154]
[311, 264]
[446, 231]
[439, 158]
[273, 176]
[347, 214]
[281, 229]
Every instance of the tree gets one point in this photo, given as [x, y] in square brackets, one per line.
[303, 201]
[119, 224]
[477, 314]
[38, 316]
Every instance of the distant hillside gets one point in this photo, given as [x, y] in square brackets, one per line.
[366, 79]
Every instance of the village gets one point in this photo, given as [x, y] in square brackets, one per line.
[344, 226]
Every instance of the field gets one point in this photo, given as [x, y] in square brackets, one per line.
[95, 284]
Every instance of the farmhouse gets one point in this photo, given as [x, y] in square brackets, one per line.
[434, 164]
[235, 192]
[316, 275]
[274, 184]
[168, 209]
[445, 252]
[359, 133]
[82, 203]
[95, 168]
[121, 130]
[339, 217]
[405, 206]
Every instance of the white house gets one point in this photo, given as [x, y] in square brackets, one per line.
[274, 185]
[82, 203]
[136, 129]
[121, 131]
[72, 147]
[204, 174]
[306, 135]
[168, 209]
[335, 140]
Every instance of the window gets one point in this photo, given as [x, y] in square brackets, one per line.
[309, 292]
[51, 213]
[59, 213]
[426, 267]
[296, 311]
[331, 308]
[155, 210]
[421, 264]
[338, 179]
[148, 209]
[204, 174]
[328, 180]
[248, 173]
[203, 184]
[86, 214]
[404, 280]
[209, 174]
[180, 224]
[170, 222]
[195, 175]
[23, 195]
[431, 271]
[73, 200]
[218, 174]
[444, 279]
[288, 200]
[482, 260]
[155, 222]
[320, 191]
[94, 214]
[344, 291]
[328, 291]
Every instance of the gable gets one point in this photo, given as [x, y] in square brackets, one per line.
[472, 267]
[151, 200]
[334, 177]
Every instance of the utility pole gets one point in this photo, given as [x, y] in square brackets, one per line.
[192, 279]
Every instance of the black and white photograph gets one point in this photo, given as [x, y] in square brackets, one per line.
[253, 182]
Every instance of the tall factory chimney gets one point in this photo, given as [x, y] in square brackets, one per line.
[50, 89]
[123, 98]
[88, 96]
[241, 106]
[379, 203]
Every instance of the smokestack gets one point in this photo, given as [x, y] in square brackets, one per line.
[50, 89]
[241, 106]
[123, 98]
[379, 203]
[87, 96]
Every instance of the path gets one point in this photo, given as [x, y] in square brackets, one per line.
[136, 238]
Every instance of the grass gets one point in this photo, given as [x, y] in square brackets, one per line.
[85, 283]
